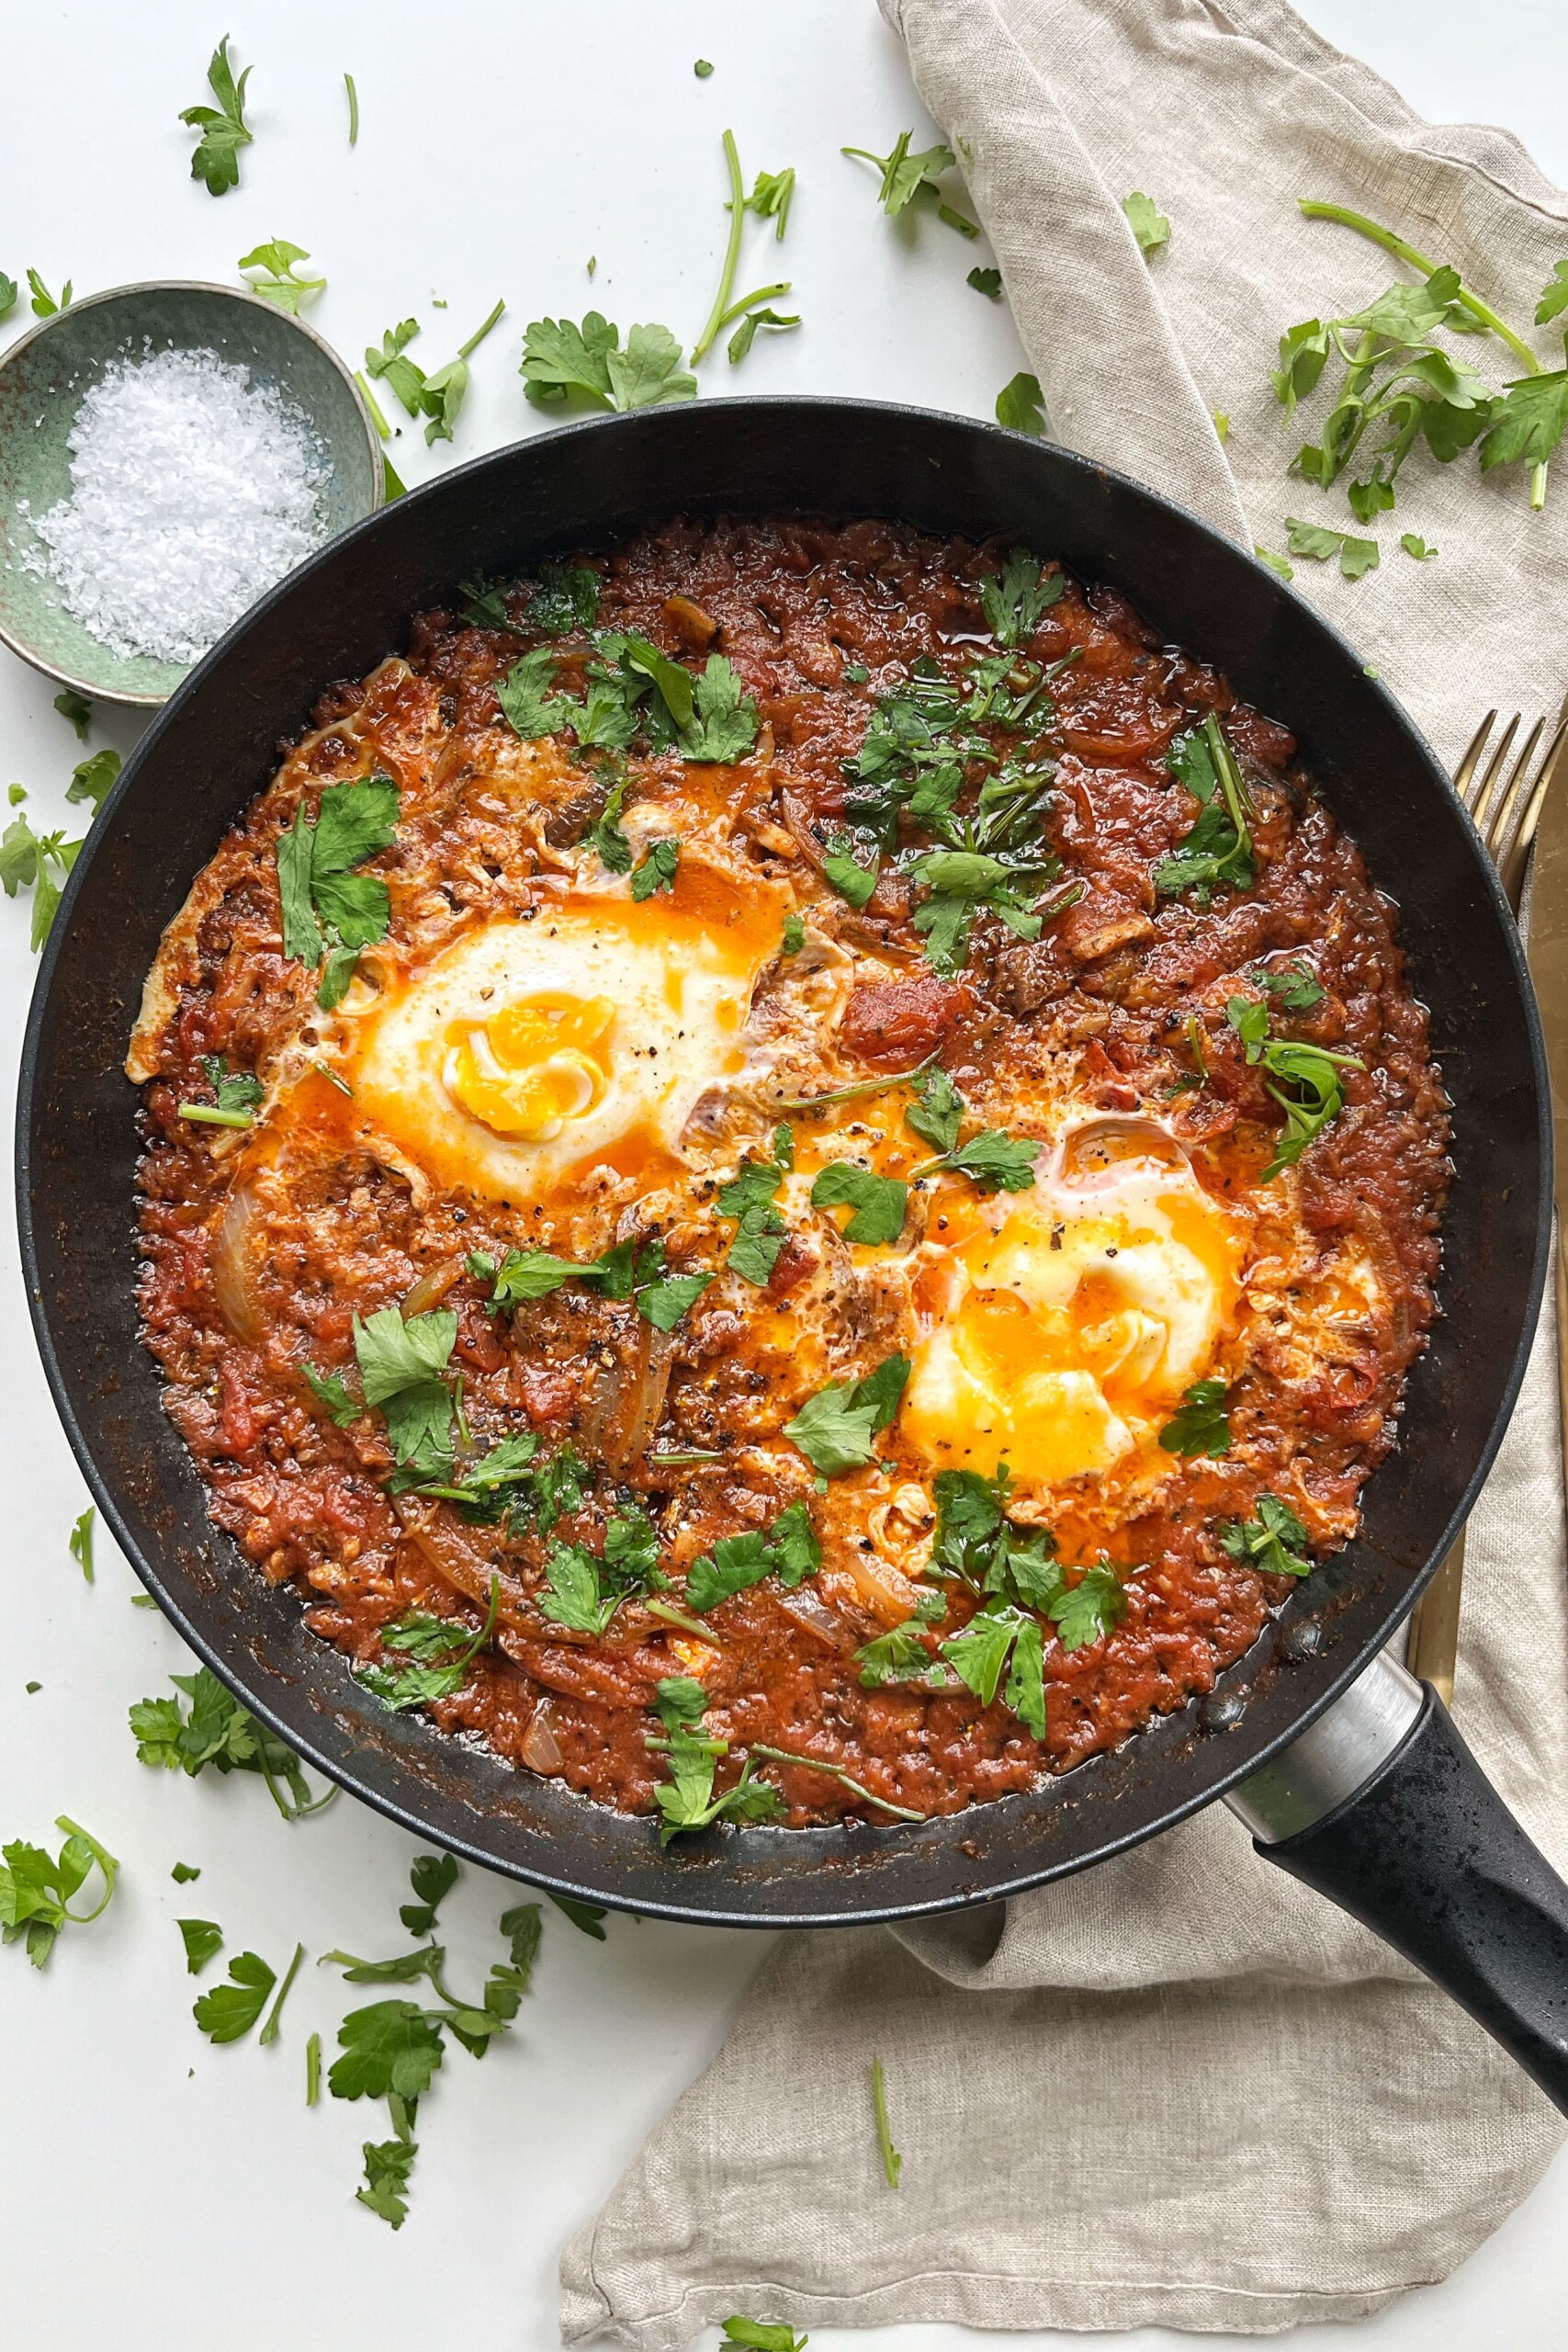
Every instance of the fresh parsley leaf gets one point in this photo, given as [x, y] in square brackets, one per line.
[567, 598]
[390, 2047]
[8, 292]
[1021, 405]
[723, 726]
[1200, 1425]
[25, 860]
[431, 1877]
[658, 870]
[630, 1269]
[184, 1873]
[960, 882]
[998, 1162]
[1149, 226]
[420, 1635]
[907, 177]
[222, 127]
[562, 361]
[1527, 423]
[401, 1365]
[852, 881]
[1294, 989]
[1356, 556]
[403, 378]
[36, 1888]
[1086, 1611]
[979, 1650]
[270, 271]
[679, 1699]
[229, 2011]
[330, 1389]
[686, 1800]
[90, 778]
[1311, 1073]
[937, 1112]
[762, 2336]
[584, 1592]
[986, 281]
[1416, 547]
[896, 1656]
[1276, 563]
[74, 708]
[586, 1918]
[669, 1298]
[324, 904]
[1553, 295]
[1218, 849]
[1274, 1542]
[793, 938]
[82, 1543]
[745, 334]
[44, 305]
[218, 1731]
[203, 1939]
[789, 1550]
[834, 1428]
[387, 2164]
[878, 1202]
[702, 69]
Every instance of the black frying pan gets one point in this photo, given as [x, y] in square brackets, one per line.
[590, 485]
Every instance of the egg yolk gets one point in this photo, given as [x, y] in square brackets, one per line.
[532, 1066]
[1060, 1337]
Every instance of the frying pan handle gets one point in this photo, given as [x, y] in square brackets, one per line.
[1426, 1854]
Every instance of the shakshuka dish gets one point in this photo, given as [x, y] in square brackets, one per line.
[788, 1171]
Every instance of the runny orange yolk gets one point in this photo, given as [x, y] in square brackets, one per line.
[532, 1065]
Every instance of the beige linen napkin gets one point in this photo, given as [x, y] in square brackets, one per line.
[1178, 2089]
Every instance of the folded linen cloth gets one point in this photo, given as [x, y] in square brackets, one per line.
[1178, 2089]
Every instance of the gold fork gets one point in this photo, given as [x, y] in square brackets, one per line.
[1507, 809]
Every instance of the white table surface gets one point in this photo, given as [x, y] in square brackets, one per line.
[157, 2192]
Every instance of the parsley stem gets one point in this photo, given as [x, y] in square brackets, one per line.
[732, 251]
[383, 430]
[1417, 260]
[108, 1863]
[837, 1772]
[851, 1094]
[207, 1114]
[354, 141]
[487, 1629]
[892, 2162]
[269, 2031]
[673, 1616]
[332, 1079]
[682, 1459]
[763, 294]
[466, 350]
[313, 2070]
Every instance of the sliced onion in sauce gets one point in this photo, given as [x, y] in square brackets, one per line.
[432, 1287]
[539, 1747]
[808, 1609]
[236, 1251]
[622, 1411]
[466, 1569]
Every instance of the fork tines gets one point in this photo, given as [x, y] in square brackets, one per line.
[1506, 800]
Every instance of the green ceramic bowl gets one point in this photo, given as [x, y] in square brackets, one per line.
[45, 375]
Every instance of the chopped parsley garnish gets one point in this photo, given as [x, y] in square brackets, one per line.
[658, 869]
[439, 1650]
[402, 1362]
[762, 2336]
[959, 883]
[203, 1939]
[835, 1428]
[702, 69]
[8, 293]
[24, 861]
[878, 1202]
[1149, 225]
[218, 1731]
[978, 1653]
[36, 1888]
[631, 685]
[900, 1655]
[387, 2166]
[44, 305]
[585, 1917]
[584, 1590]
[1218, 850]
[789, 1550]
[986, 281]
[269, 271]
[1311, 1073]
[222, 127]
[892, 2162]
[567, 598]
[793, 937]
[184, 1873]
[330, 1389]
[562, 361]
[907, 178]
[976, 1544]
[630, 1270]
[74, 708]
[229, 2011]
[1088, 1610]
[996, 1162]
[1014, 600]
[1021, 405]
[82, 1543]
[686, 1800]
[431, 1877]
[1356, 556]
[329, 911]
[749, 1198]
[238, 1094]
[769, 200]
[90, 778]
[1200, 1424]
[1274, 1542]
[1415, 544]
[1294, 989]
[855, 883]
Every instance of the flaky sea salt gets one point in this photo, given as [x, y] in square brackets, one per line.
[192, 491]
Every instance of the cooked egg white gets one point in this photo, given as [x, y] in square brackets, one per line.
[530, 1053]
[1060, 1326]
